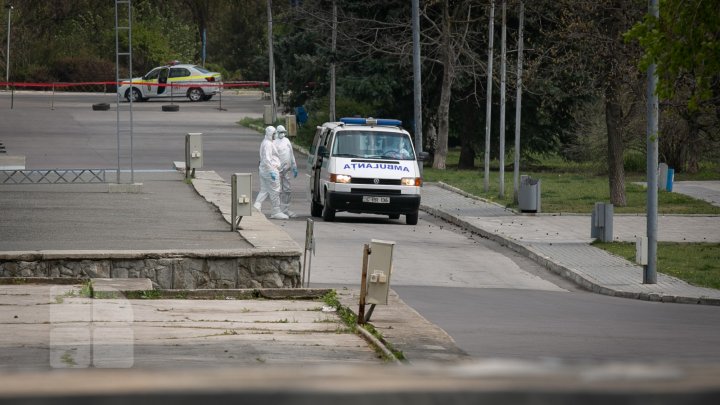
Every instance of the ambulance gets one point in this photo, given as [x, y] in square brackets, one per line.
[364, 165]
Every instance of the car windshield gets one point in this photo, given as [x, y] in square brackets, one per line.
[373, 144]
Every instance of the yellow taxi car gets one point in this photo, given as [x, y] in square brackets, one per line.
[173, 80]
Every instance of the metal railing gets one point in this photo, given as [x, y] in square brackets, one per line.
[53, 176]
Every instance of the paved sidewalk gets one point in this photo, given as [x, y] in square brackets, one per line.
[562, 243]
[703, 190]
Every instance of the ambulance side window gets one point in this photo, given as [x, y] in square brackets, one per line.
[328, 139]
[314, 146]
[315, 141]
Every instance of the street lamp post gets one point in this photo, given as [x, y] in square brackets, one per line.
[7, 55]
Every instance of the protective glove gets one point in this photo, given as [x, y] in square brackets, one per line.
[273, 176]
[294, 171]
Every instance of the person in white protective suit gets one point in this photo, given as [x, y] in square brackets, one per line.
[269, 176]
[287, 167]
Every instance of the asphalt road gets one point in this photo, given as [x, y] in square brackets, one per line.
[492, 301]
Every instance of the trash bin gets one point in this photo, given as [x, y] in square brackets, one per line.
[529, 194]
[302, 115]
[670, 179]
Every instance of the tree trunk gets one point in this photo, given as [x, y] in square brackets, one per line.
[444, 106]
[616, 170]
[443, 123]
[467, 156]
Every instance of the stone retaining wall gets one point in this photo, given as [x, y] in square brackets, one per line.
[165, 271]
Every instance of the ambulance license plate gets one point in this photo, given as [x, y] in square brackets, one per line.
[376, 200]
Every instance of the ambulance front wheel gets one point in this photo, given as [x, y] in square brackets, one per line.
[411, 219]
[328, 214]
[316, 209]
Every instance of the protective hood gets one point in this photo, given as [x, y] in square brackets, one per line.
[269, 132]
[281, 132]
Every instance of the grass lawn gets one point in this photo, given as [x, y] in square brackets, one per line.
[696, 263]
[567, 187]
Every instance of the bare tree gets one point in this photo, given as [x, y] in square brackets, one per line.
[451, 37]
[585, 39]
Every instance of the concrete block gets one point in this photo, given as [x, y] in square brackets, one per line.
[121, 284]
[12, 162]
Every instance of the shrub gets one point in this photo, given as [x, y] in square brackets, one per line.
[635, 162]
[83, 69]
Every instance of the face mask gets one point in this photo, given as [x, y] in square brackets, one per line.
[282, 135]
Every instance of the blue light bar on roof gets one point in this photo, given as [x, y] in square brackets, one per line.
[371, 121]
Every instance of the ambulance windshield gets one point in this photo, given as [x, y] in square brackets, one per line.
[373, 144]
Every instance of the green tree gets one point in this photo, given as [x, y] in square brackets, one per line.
[685, 40]
[684, 43]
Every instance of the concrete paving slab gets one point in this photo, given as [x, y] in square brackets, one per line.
[167, 215]
[702, 190]
[50, 327]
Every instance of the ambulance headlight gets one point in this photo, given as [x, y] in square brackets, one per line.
[411, 181]
[339, 178]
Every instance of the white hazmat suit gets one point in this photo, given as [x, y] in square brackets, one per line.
[269, 176]
[288, 167]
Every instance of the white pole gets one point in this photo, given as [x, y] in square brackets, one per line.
[332, 64]
[518, 104]
[488, 104]
[417, 82]
[503, 64]
[271, 62]
[650, 271]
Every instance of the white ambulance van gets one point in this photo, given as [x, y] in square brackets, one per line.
[364, 165]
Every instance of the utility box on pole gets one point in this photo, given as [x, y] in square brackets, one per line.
[378, 271]
[193, 153]
[291, 125]
[241, 198]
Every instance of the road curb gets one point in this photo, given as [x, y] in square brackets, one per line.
[372, 340]
[564, 271]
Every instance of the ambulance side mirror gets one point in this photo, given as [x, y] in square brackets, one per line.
[422, 156]
[323, 152]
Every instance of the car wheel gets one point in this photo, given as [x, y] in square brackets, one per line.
[101, 107]
[171, 107]
[328, 214]
[411, 219]
[394, 216]
[316, 209]
[136, 95]
[195, 94]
